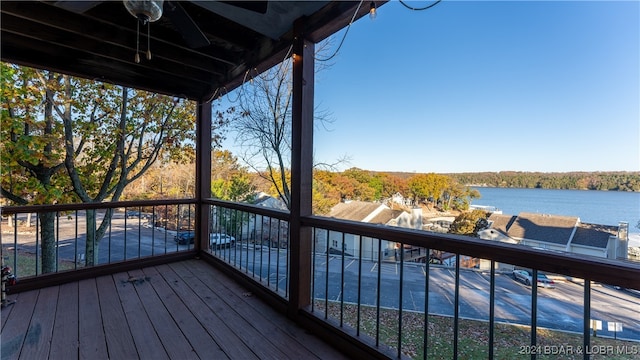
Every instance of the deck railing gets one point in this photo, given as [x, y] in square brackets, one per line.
[387, 291]
[402, 289]
[260, 247]
[130, 231]
[409, 293]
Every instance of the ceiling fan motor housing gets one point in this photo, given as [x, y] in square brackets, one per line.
[145, 10]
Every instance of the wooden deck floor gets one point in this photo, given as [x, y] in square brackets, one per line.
[183, 310]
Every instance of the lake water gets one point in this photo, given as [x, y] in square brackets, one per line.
[596, 207]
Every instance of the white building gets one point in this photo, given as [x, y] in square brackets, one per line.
[373, 213]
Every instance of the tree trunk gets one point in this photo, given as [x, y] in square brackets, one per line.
[95, 234]
[91, 246]
[48, 245]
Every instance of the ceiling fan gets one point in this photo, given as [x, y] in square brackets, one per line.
[178, 16]
[148, 11]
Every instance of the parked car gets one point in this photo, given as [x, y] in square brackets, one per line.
[130, 214]
[525, 276]
[219, 240]
[185, 237]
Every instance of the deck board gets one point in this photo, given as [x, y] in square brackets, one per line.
[174, 311]
[4, 313]
[144, 335]
[256, 322]
[92, 343]
[258, 342]
[38, 338]
[225, 287]
[15, 329]
[173, 339]
[222, 331]
[197, 336]
[64, 342]
[117, 333]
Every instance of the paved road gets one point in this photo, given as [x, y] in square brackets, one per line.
[127, 239]
[560, 308]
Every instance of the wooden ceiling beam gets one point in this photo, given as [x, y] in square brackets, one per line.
[102, 32]
[38, 31]
[38, 54]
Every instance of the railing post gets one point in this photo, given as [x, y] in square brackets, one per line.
[301, 169]
[203, 173]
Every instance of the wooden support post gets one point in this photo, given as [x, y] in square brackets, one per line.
[301, 170]
[203, 173]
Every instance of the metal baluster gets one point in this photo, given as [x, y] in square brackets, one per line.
[400, 298]
[456, 310]
[342, 284]
[534, 310]
[378, 292]
[425, 340]
[492, 306]
[359, 285]
[586, 333]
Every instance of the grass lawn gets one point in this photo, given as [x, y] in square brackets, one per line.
[510, 341]
[26, 263]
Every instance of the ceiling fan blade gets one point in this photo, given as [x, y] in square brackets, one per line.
[191, 33]
[78, 7]
[255, 6]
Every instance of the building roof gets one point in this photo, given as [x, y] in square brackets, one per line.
[357, 211]
[594, 235]
[555, 229]
[385, 216]
[266, 200]
[501, 222]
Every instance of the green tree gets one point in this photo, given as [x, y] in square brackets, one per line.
[230, 181]
[68, 139]
[428, 187]
[32, 150]
[469, 223]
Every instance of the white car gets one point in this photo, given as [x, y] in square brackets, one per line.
[526, 275]
[220, 240]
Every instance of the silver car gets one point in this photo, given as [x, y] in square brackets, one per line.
[526, 277]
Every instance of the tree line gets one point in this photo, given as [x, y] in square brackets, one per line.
[577, 180]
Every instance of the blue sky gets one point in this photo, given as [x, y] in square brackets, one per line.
[486, 86]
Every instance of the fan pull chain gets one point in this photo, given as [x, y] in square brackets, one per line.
[149, 40]
[137, 57]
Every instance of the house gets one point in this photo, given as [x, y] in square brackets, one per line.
[368, 248]
[558, 233]
[266, 200]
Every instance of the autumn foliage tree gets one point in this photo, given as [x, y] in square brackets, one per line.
[469, 223]
[67, 139]
[428, 187]
[230, 180]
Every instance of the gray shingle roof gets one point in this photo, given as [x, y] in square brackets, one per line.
[501, 222]
[555, 229]
[594, 235]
